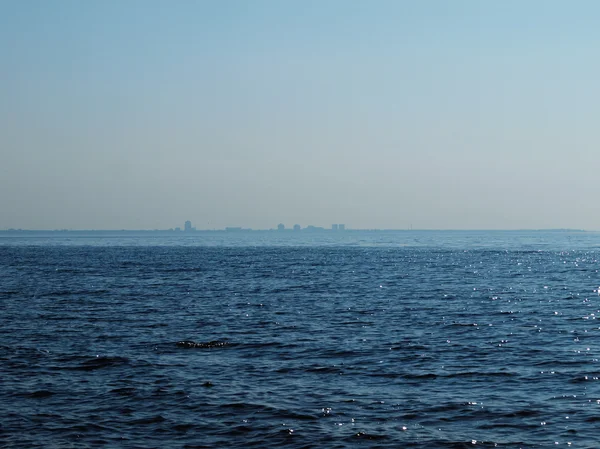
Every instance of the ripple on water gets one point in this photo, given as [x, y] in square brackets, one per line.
[298, 347]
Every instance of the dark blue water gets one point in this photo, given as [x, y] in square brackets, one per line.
[443, 340]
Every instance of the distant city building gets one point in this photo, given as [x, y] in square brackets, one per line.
[342, 227]
[297, 227]
[334, 227]
[188, 226]
[314, 228]
[233, 229]
[281, 227]
[178, 229]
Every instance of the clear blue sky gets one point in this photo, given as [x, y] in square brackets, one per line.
[440, 114]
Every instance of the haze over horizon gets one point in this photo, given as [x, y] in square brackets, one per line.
[439, 114]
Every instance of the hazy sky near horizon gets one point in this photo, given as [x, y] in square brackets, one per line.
[386, 114]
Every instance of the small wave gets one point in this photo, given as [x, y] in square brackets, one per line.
[124, 391]
[184, 427]
[524, 413]
[268, 344]
[39, 394]
[322, 369]
[267, 410]
[481, 374]
[458, 375]
[367, 436]
[99, 363]
[88, 427]
[445, 444]
[386, 375]
[10, 292]
[411, 346]
[357, 323]
[559, 362]
[149, 420]
[204, 345]
[420, 376]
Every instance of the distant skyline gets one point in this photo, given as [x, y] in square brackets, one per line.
[441, 114]
[279, 228]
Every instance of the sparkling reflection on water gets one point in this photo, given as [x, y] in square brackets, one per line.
[461, 341]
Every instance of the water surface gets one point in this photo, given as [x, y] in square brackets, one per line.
[403, 339]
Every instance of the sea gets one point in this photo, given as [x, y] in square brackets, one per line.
[406, 339]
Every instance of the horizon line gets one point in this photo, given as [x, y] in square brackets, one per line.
[238, 229]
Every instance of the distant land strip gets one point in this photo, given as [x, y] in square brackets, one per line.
[275, 231]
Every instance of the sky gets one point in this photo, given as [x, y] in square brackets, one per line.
[141, 114]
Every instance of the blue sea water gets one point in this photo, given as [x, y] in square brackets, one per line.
[329, 340]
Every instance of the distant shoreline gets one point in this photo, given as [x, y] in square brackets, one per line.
[181, 233]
